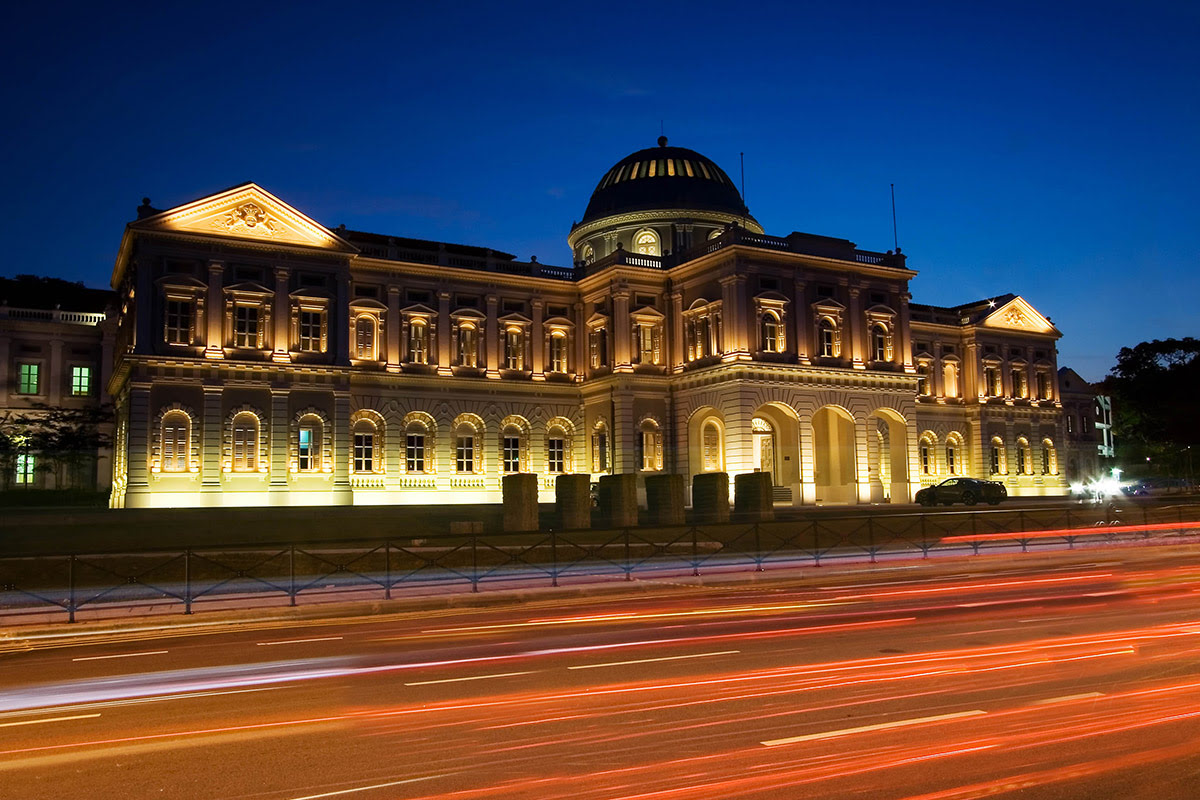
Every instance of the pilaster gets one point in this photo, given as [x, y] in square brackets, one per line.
[621, 333]
[676, 322]
[444, 357]
[215, 312]
[56, 367]
[393, 329]
[138, 435]
[282, 316]
[493, 337]
[862, 467]
[856, 328]
[278, 443]
[803, 330]
[211, 434]
[341, 448]
[537, 340]
[904, 339]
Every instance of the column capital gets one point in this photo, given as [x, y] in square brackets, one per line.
[216, 267]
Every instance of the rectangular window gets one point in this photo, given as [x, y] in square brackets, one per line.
[651, 455]
[418, 342]
[514, 350]
[28, 378]
[468, 346]
[995, 460]
[950, 461]
[245, 448]
[245, 326]
[558, 352]
[364, 333]
[179, 316]
[414, 452]
[600, 451]
[174, 447]
[1045, 461]
[556, 451]
[464, 454]
[925, 466]
[81, 381]
[512, 453]
[26, 465]
[598, 347]
[364, 452]
[1021, 465]
[307, 450]
[311, 323]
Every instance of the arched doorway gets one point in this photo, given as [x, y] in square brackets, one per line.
[775, 445]
[833, 456]
[887, 457]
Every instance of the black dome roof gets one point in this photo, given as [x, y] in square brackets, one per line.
[664, 177]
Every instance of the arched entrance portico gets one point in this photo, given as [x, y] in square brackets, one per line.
[887, 457]
[775, 433]
[834, 456]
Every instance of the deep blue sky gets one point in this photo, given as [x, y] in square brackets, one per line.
[1051, 153]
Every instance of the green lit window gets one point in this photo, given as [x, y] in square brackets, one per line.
[28, 378]
[26, 464]
[81, 381]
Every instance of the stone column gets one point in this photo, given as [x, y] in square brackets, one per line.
[54, 381]
[537, 340]
[808, 464]
[904, 335]
[444, 357]
[730, 316]
[580, 365]
[215, 311]
[493, 337]
[622, 432]
[282, 312]
[621, 332]
[338, 327]
[803, 330]
[341, 448]
[676, 334]
[277, 443]
[862, 465]
[212, 440]
[392, 325]
[855, 331]
[147, 301]
[970, 379]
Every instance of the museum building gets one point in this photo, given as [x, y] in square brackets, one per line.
[264, 359]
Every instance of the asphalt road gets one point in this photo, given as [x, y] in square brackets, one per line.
[1063, 675]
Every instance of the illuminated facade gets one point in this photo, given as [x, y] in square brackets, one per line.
[265, 359]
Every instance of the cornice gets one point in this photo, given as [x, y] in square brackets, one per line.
[634, 218]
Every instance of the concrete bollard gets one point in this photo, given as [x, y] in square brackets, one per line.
[520, 502]
[664, 499]
[754, 496]
[710, 496]
[573, 501]
[618, 500]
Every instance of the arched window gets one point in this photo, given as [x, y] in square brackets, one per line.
[587, 255]
[646, 243]
[770, 332]
[997, 453]
[558, 448]
[418, 341]
[953, 465]
[950, 378]
[1024, 457]
[925, 453]
[1049, 458]
[367, 455]
[176, 441]
[650, 446]
[713, 234]
[514, 348]
[710, 437]
[245, 442]
[364, 337]
[468, 344]
[514, 441]
[879, 342]
[828, 338]
[418, 443]
[309, 434]
[600, 458]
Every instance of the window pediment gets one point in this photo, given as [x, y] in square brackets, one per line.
[367, 304]
[771, 299]
[647, 314]
[181, 282]
[829, 306]
[311, 295]
[418, 310]
[471, 314]
[249, 289]
[515, 319]
[558, 322]
[597, 320]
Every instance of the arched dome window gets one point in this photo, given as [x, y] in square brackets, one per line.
[587, 255]
[647, 243]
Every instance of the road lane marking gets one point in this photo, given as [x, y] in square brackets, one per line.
[121, 655]
[40, 721]
[300, 641]
[369, 788]
[472, 678]
[652, 660]
[1067, 698]
[133, 701]
[882, 726]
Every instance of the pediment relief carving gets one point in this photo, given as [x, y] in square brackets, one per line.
[1017, 314]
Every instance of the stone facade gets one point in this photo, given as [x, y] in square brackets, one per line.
[265, 359]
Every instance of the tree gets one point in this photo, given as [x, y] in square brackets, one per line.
[64, 441]
[1156, 399]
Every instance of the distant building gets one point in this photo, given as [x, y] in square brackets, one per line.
[263, 358]
[1087, 420]
[56, 350]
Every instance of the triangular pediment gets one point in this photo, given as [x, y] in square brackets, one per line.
[246, 212]
[1018, 315]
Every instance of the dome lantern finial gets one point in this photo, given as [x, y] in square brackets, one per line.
[662, 141]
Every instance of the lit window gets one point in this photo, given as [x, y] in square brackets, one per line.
[364, 452]
[646, 243]
[178, 322]
[924, 385]
[26, 466]
[468, 345]
[464, 453]
[311, 324]
[1019, 384]
[1024, 465]
[770, 333]
[952, 458]
[364, 338]
[879, 342]
[711, 439]
[829, 342]
[649, 347]
[307, 451]
[176, 429]
[1043, 386]
[245, 443]
[950, 378]
[418, 342]
[414, 452]
[1049, 458]
[558, 352]
[28, 378]
[997, 460]
[588, 255]
[556, 451]
[651, 446]
[245, 326]
[598, 347]
[926, 466]
[514, 349]
[81, 381]
[600, 451]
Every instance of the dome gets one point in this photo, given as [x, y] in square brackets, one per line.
[664, 178]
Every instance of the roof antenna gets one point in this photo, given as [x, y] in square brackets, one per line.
[742, 157]
[895, 236]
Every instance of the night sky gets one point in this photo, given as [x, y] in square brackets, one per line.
[1049, 153]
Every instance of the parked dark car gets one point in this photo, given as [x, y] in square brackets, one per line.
[962, 490]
